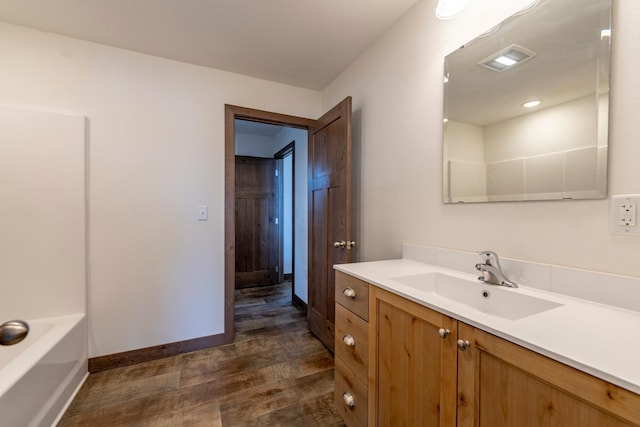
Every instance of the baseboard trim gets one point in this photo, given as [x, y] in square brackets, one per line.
[299, 303]
[132, 357]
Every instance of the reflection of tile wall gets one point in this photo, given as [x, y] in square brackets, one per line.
[505, 178]
[544, 174]
[467, 180]
[581, 170]
[570, 171]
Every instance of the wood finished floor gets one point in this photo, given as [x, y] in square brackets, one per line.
[275, 374]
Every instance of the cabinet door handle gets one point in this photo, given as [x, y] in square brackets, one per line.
[349, 340]
[444, 333]
[348, 399]
[341, 244]
[349, 292]
[463, 344]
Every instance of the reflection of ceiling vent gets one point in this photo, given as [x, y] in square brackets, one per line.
[507, 58]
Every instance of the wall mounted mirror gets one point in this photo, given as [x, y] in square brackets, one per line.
[495, 148]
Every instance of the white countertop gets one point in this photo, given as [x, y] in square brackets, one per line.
[601, 340]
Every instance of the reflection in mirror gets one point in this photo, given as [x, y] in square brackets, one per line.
[498, 148]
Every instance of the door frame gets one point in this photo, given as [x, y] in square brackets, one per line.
[289, 149]
[233, 112]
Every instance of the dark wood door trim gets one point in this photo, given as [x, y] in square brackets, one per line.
[233, 112]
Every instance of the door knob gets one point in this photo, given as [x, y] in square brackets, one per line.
[341, 244]
[351, 244]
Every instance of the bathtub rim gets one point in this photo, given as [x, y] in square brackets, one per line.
[13, 371]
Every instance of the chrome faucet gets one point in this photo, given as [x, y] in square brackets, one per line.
[492, 272]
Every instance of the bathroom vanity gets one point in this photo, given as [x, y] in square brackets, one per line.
[421, 345]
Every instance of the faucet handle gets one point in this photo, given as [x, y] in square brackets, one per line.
[488, 253]
[491, 258]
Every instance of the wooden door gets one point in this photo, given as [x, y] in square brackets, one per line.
[256, 233]
[329, 214]
[501, 384]
[412, 371]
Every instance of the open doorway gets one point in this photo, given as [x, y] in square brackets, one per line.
[327, 205]
[285, 167]
[270, 211]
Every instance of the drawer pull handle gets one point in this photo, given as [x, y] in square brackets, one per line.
[348, 399]
[463, 345]
[349, 292]
[444, 333]
[348, 340]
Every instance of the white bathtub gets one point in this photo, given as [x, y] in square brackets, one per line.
[40, 375]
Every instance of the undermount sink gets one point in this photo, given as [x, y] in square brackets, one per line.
[490, 299]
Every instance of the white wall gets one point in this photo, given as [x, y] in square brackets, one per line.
[157, 151]
[464, 141]
[542, 132]
[287, 213]
[42, 219]
[466, 176]
[397, 92]
[255, 145]
[300, 250]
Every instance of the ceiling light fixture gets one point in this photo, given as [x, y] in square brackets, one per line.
[531, 104]
[605, 34]
[447, 9]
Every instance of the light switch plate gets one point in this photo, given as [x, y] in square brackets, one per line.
[623, 218]
[203, 213]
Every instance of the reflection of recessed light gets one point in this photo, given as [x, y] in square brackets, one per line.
[531, 104]
[445, 120]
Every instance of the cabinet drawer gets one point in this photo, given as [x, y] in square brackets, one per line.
[355, 356]
[358, 302]
[346, 382]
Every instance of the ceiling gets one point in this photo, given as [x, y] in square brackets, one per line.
[304, 43]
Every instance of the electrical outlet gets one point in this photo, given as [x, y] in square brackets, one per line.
[627, 214]
[624, 214]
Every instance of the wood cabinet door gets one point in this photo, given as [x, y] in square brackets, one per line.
[503, 384]
[329, 214]
[412, 374]
[256, 234]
